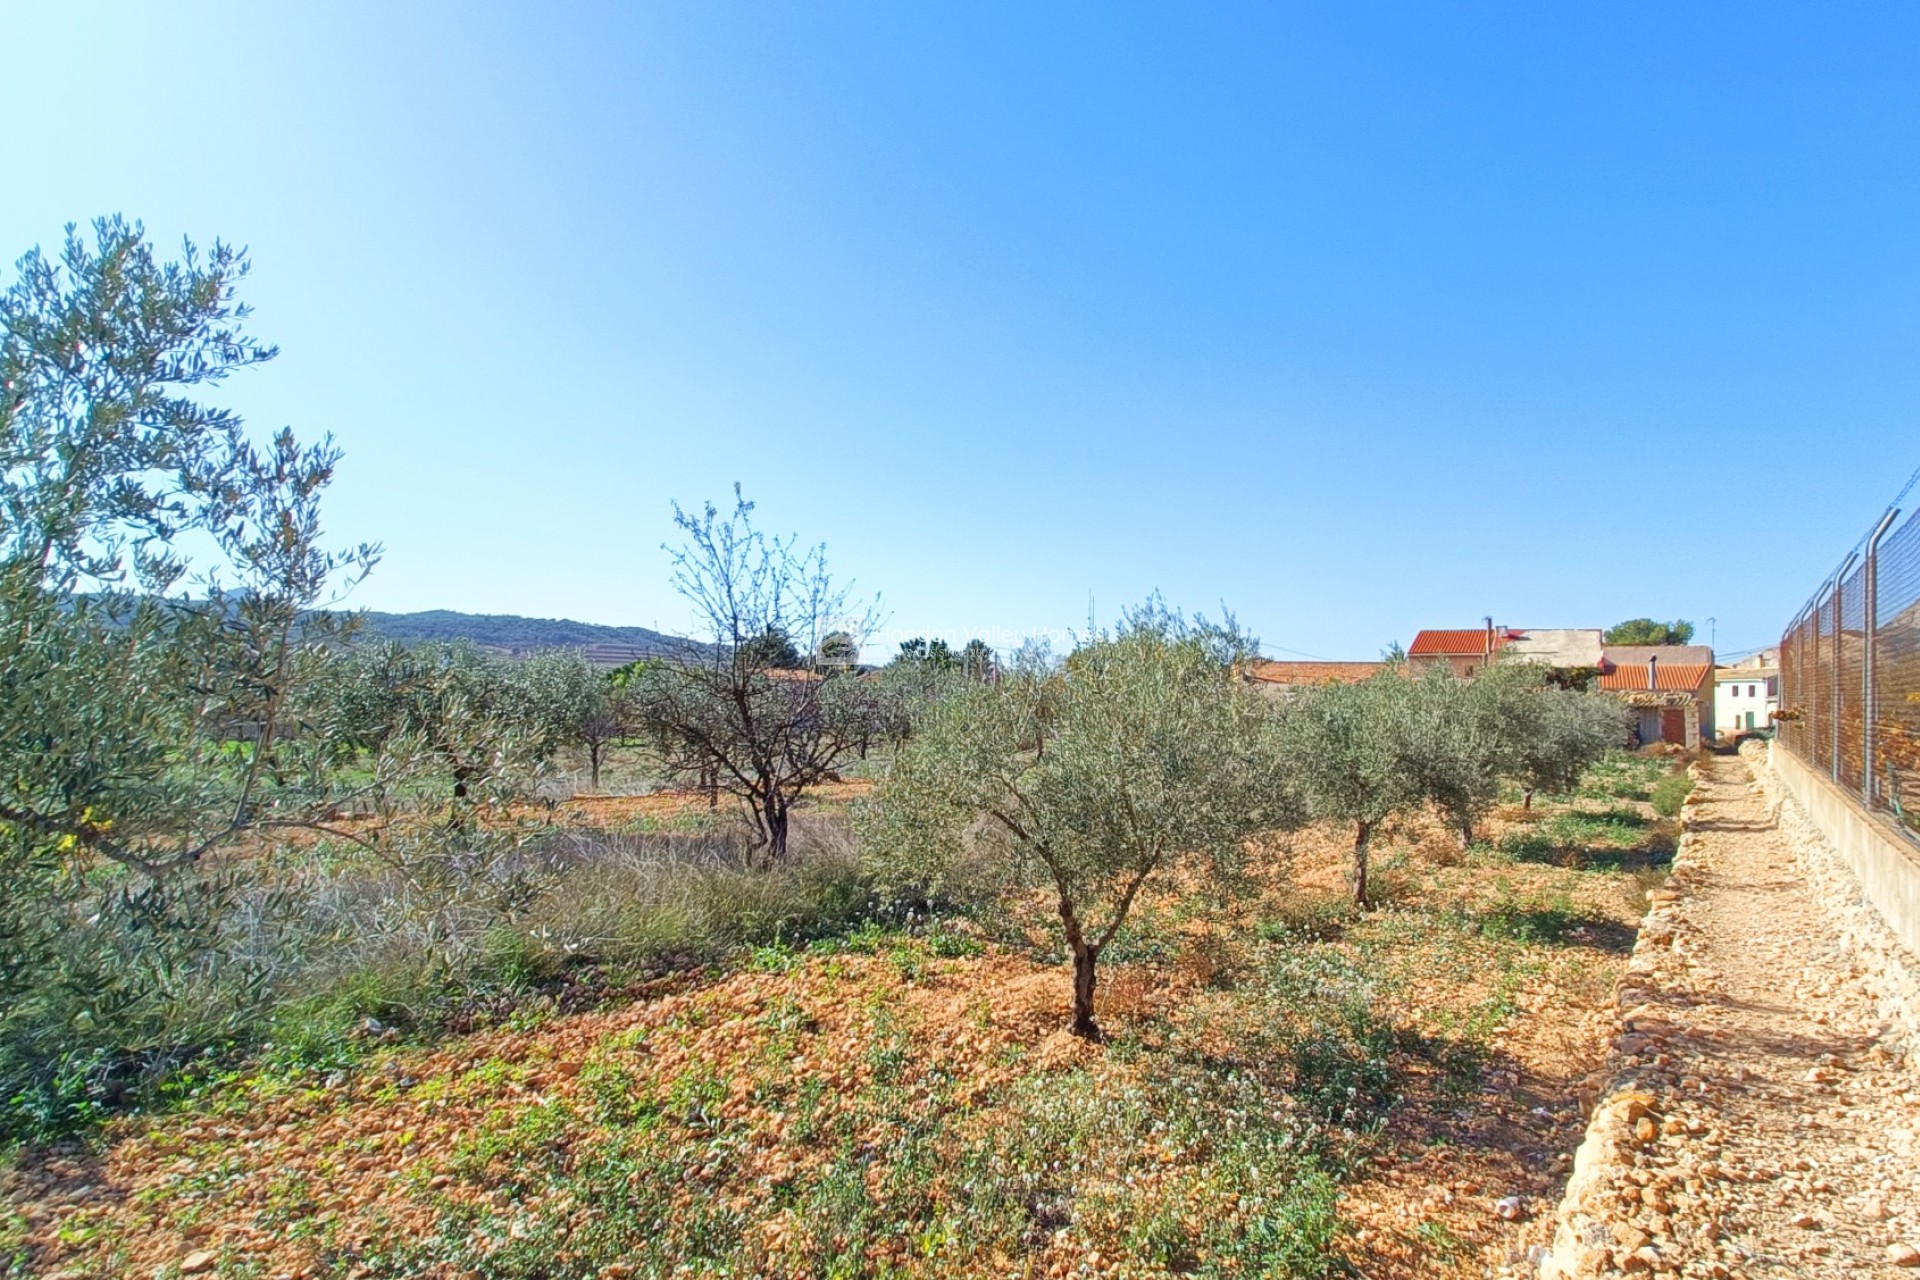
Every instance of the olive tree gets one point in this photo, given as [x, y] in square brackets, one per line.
[159, 570]
[1345, 743]
[1459, 740]
[449, 711]
[1569, 733]
[566, 703]
[920, 676]
[745, 714]
[1087, 778]
[145, 694]
[1511, 723]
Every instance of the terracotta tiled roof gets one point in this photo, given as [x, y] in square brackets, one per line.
[1313, 672]
[1455, 643]
[1675, 677]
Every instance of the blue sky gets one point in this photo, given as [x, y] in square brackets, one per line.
[1358, 317]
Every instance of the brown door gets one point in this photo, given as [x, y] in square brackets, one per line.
[1673, 725]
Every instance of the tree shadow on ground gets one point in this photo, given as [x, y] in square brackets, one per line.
[1656, 852]
[1613, 840]
[1558, 926]
[1760, 1038]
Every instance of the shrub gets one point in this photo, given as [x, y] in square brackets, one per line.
[1339, 1049]
[1670, 793]
[309, 962]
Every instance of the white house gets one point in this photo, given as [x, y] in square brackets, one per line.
[1745, 698]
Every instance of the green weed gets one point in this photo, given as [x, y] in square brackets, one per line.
[1670, 793]
[1439, 1238]
[1308, 919]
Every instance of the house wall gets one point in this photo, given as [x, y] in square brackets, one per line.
[1655, 724]
[1732, 702]
[1461, 665]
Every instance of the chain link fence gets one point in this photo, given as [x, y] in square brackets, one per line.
[1850, 672]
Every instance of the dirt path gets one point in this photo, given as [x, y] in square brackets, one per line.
[1767, 1129]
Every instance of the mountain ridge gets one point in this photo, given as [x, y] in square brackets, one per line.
[518, 634]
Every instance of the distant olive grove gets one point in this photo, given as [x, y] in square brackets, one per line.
[228, 822]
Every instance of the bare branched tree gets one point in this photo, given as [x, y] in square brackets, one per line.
[750, 714]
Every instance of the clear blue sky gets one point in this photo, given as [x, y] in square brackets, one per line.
[1359, 317]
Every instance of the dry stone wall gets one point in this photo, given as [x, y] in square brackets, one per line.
[1610, 1219]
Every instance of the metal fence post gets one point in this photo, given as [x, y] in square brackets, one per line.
[1812, 737]
[1797, 700]
[1839, 623]
[1869, 636]
[1793, 644]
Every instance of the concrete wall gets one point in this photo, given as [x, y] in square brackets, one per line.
[1885, 862]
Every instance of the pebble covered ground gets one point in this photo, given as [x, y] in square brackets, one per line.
[1765, 1117]
[1493, 972]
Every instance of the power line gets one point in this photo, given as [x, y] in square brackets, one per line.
[1298, 653]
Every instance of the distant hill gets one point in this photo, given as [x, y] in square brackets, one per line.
[517, 636]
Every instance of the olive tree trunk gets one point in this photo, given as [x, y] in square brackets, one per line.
[1085, 956]
[1362, 837]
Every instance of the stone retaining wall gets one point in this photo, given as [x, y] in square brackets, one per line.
[1591, 1236]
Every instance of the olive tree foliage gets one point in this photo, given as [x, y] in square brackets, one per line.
[1570, 732]
[129, 668]
[920, 676]
[1513, 722]
[436, 711]
[1461, 739]
[157, 573]
[1345, 744]
[1370, 752]
[744, 715]
[485, 723]
[570, 704]
[1087, 778]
